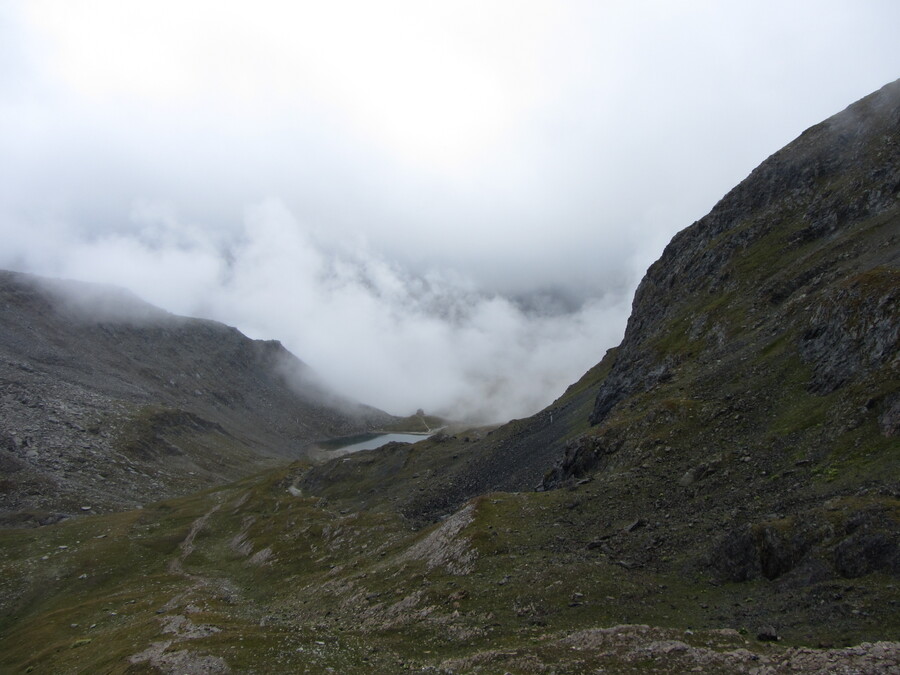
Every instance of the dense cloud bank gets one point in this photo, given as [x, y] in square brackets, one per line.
[444, 205]
[371, 329]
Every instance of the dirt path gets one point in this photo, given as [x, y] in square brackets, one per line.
[186, 547]
[178, 626]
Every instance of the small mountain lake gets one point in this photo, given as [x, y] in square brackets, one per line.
[348, 444]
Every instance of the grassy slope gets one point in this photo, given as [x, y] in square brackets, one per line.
[273, 582]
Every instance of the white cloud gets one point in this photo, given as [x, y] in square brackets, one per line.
[384, 186]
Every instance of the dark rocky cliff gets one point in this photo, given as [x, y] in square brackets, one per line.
[790, 230]
[761, 365]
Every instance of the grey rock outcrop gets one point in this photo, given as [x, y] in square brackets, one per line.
[835, 175]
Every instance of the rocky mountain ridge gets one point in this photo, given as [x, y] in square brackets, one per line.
[108, 402]
[804, 199]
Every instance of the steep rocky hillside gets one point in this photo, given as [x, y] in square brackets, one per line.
[720, 494]
[107, 402]
[766, 338]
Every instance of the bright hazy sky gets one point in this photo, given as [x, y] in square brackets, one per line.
[444, 205]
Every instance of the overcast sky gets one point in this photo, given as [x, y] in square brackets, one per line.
[444, 205]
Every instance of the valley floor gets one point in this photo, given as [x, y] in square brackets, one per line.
[252, 578]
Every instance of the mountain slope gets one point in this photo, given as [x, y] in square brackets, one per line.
[761, 364]
[767, 330]
[746, 429]
[109, 402]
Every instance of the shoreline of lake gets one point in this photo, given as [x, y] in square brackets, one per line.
[346, 445]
